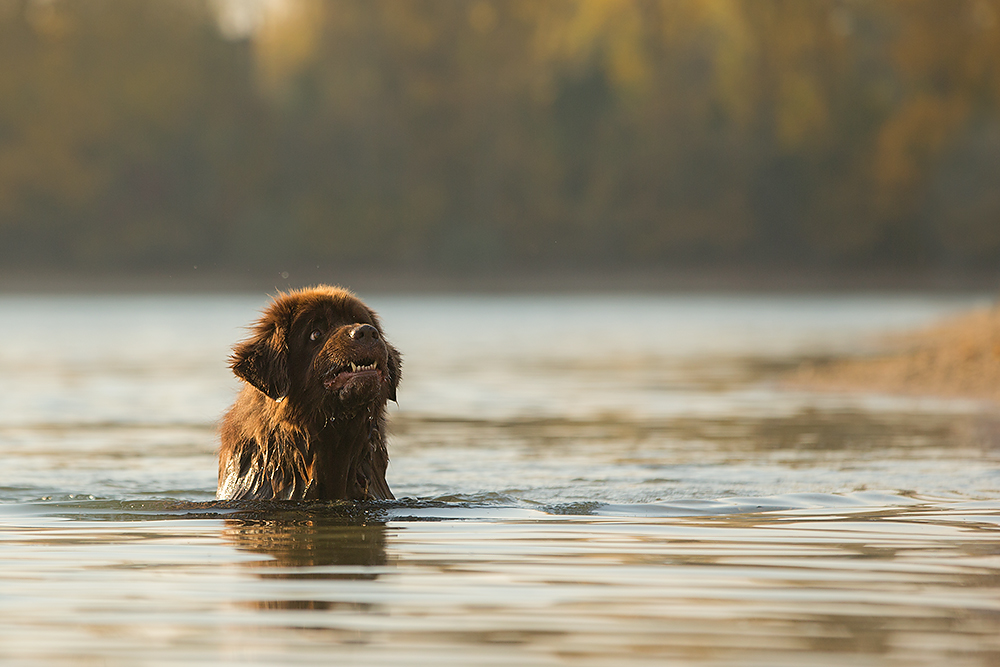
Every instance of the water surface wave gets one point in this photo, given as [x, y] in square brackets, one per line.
[672, 503]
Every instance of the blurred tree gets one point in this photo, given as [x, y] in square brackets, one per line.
[937, 153]
[121, 120]
[499, 133]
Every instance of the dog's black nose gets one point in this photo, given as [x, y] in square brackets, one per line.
[362, 332]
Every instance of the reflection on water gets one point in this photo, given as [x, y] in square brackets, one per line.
[313, 548]
[670, 504]
[865, 579]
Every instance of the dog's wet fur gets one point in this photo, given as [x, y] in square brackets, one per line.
[310, 422]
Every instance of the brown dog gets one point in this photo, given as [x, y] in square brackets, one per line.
[310, 424]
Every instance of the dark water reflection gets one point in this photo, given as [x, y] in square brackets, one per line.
[311, 549]
[322, 548]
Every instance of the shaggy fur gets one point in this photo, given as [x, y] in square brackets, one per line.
[310, 422]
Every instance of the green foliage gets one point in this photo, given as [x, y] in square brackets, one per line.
[499, 133]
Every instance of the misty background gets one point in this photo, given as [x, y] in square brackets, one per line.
[334, 138]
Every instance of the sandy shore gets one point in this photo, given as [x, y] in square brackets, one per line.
[958, 358]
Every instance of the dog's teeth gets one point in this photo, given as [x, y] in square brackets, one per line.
[355, 367]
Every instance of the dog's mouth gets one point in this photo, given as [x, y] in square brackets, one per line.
[340, 377]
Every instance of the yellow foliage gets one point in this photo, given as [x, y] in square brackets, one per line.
[482, 16]
[611, 31]
[650, 124]
[735, 56]
[800, 110]
[287, 39]
[909, 139]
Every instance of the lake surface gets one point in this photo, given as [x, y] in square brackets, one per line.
[583, 480]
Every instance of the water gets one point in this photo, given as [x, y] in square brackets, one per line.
[582, 481]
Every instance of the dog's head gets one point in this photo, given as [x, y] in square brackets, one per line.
[322, 348]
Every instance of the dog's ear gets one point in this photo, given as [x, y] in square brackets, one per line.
[262, 360]
[395, 370]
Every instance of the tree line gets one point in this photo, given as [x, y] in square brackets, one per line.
[499, 134]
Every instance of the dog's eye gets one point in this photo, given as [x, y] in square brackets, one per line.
[315, 334]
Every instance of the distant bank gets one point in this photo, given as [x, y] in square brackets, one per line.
[957, 358]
